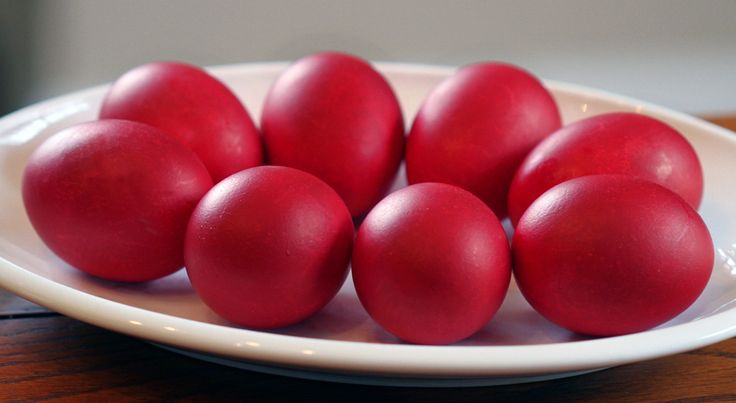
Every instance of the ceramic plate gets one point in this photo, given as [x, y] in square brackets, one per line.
[341, 343]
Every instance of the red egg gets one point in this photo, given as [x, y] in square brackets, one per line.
[608, 255]
[476, 127]
[113, 198]
[431, 263]
[614, 143]
[194, 107]
[269, 246]
[333, 115]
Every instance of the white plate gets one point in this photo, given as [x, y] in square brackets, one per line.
[341, 343]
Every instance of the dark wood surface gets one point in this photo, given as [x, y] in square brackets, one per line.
[47, 356]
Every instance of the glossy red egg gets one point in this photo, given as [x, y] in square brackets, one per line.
[194, 107]
[269, 246]
[607, 255]
[476, 127]
[614, 143]
[333, 115]
[431, 263]
[113, 198]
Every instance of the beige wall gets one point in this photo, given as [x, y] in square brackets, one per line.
[678, 53]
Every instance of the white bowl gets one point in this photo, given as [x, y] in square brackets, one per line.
[342, 343]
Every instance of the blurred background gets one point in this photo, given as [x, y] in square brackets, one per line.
[681, 54]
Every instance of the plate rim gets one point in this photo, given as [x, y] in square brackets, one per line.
[362, 357]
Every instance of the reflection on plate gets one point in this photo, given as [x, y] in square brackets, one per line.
[342, 343]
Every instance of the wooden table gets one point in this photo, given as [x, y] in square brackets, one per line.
[47, 356]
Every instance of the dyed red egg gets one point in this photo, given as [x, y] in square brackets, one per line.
[193, 107]
[431, 263]
[268, 246]
[333, 115]
[607, 255]
[476, 127]
[113, 198]
[614, 143]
